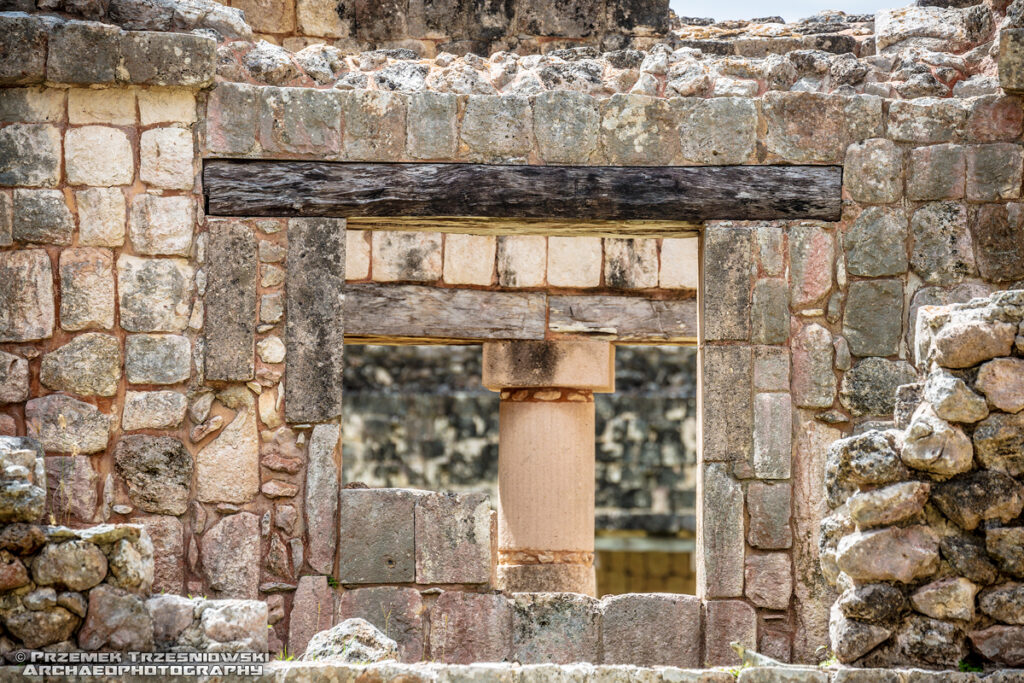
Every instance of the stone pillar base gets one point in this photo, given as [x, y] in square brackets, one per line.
[547, 578]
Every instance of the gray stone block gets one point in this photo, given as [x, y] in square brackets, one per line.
[721, 574]
[876, 243]
[556, 628]
[315, 326]
[26, 295]
[84, 52]
[728, 253]
[377, 536]
[432, 125]
[232, 117]
[496, 128]
[230, 301]
[770, 312]
[773, 435]
[769, 507]
[566, 125]
[453, 538]
[728, 404]
[1011, 60]
[397, 612]
[374, 123]
[184, 59]
[42, 216]
[638, 130]
[651, 630]
[23, 44]
[998, 231]
[157, 358]
[869, 388]
[300, 121]
[728, 621]
[322, 497]
[873, 320]
[30, 155]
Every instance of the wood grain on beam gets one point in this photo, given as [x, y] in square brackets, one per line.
[623, 318]
[528, 226]
[408, 312]
[672, 193]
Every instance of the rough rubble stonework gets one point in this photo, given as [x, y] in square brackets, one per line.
[112, 279]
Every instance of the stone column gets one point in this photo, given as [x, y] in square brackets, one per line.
[546, 460]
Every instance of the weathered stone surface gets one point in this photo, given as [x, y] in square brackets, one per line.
[165, 156]
[967, 556]
[1002, 382]
[13, 573]
[157, 471]
[21, 501]
[628, 263]
[30, 155]
[811, 256]
[76, 565]
[555, 627]
[397, 612]
[720, 130]
[946, 599]
[14, 378]
[116, 620]
[153, 410]
[933, 445]
[870, 458]
[496, 128]
[891, 554]
[566, 125]
[574, 261]
[271, 349]
[728, 289]
[71, 482]
[26, 295]
[166, 534]
[876, 243]
[1003, 644]
[728, 621]
[1006, 546]
[21, 539]
[232, 115]
[967, 343]
[852, 639]
[431, 130]
[36, 629]
[406, 256]
[926, 120]
[877, 603]
[99, 156]
[155, 294]
[814, 381]
[315, 329]
[42, 216]
[869, 388]
[769, 508]
[936, 172]
[230, 553]
[931, 641]
[227, 468]
[157, 358]
[628, 639]
[368, 556]
[723, 533]
[322, 496]
[994, 172]
[873, 321]
[101, 216]
[86, 289]
[725, 368]
[769, 580]
[773, 435]
[979, 496]
[888, 505]
[770, 311]
[873, 171]
[171, 615]
[1004, 603]
[155, 58]
[470, 627]
[636, 128]
[162, 225]
[952, 399]
[941, 253]
[66, 425]
[374, 125]
[312, 612]
[998, 231]
[999, 443]
[72, 39]
[816, 127]
[88, 365]
[24, 36]
[230, 302]
[353, 641]
[453, 538]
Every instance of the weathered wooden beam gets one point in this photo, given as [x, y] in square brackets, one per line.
[624, 318]
[673, 193]
[566, 227]
[395, 313]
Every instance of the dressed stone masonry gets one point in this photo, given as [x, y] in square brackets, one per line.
[926, 534]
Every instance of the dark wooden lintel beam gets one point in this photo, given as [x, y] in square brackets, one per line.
[666, 193]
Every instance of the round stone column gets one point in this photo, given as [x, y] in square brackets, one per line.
[546, 460]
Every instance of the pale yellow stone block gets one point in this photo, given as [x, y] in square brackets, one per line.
[406, 256]
[166, 158]
[112, 105]
[101, 217]
[98, 156]
[32, 105]
[319, 18]
[522, 260]
[357, 255]
[158, 105]
[680, 263]
[574, 261]
[270, 16]
[469, 259]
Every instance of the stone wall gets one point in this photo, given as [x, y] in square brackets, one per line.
[925, 538]
[145, 344]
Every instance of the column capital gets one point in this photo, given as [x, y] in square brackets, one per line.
[586, 365]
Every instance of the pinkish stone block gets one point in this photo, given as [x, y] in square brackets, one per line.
[651, 629]
[769, 580]
[470, 627]
[453, 538]
[727, 621]
[312, 612]
[811, 255]
[395, 611]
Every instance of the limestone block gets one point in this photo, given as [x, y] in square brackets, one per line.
[869, 388]
[998, 443]
[952, 399]
[814, 382]
[496, 128]
[769, 507]
[770, 311]
[566, 125]
[232, 116]
[811, 258]
[374, 123]
[945, 27]
[852, 639]
[727, 283]
[312, 611]
[871, 457]
[270, 16]
[453, 538]
[155, 58]
[639, 130]
[431, 131]
[651, 630]
[14, 378]
[771, 368]
[990, 118]
[727, 621]
[769, 580]
[574, 261]
[568, 365]
[230, 301]
[994, 171]
[157, 471]
[315, 326]
[397, 612]
[888, 505]
[66, 425]
[680, 263]
[26, 296]
[322, 481]
[296, 120]
[876, 243]
[317, 19]
[272, 307]
[34, 105]
[99, 156]
[720, 130]
[469, 259]
[30, 154]
[873, 318]
[157, 358]
[357, 257]
[101, 217]
[1000, 644]
[87, 289]
[729, 412]
[406, 256]
[962, 344]
[88, 365]
[230, 553]
[114, 106]
[71, 40]
[71, 483]
[873, 172]
[522, 260]
[815, 127]
[42, 216]
[556, 628]
[936, 172]
[891, 554]
[227, 468]
[926, 120]
[155, 294]
[722, 572]
[26, 37]
[773, 428]
[998, 231]
[153, 410]
[6, 219]
[160, 105]
[470, 627]
[377, 536]
[1011, 60]
[630, 264]
[166, 158]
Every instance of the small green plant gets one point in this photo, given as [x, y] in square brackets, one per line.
[970, 666]
[283, 656]
[829, 661]
[333, 582]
